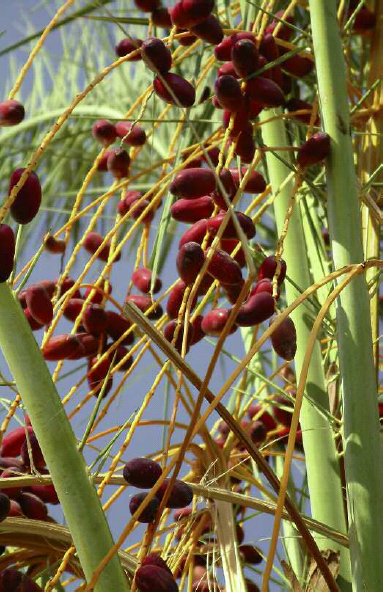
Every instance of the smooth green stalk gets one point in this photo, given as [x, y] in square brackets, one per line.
[292, 544]
[321, 459]
[361, 424]
[77, 495]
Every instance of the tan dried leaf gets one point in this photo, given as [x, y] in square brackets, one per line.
[292, 578]
[315, 581]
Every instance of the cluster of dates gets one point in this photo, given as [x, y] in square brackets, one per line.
[20, 454]
[153, 571]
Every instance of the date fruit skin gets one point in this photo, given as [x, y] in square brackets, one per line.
[181, 494]
[28, 200]
[142, 472]
[149, 513]
[7, 251]
[182, 92]
[150, 578]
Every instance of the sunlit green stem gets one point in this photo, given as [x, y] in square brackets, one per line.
[78, 497]
[321, 460]
[361, 425]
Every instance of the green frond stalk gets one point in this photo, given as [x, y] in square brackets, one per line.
[361, 425]
[318, 439]
[78, 497]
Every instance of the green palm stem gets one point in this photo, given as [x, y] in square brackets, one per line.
[294, 550]
[318, 439]
[78, 497]
[361, 423]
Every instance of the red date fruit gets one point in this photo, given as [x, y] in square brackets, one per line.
[12, 580]
[7, 251]
[118, 163]
[10, 461]
[130, 201]
[62, 347]
[228, 92]
[46, 493]
[11, 112]
[155, 559]
[14, 512]
[285, 31]
[193, 183]
[181, 494]
[244, 55]
[102, 166]
[244, 146]
[223, 50]
[148, 514]
[268, 269]
[251, 586]
[296, 104]
[12, 442]
[94, 319]
[34, 325]
[210, 30]
[5, 506]
[169, 331]
[116, 325]
[32, 506]
[298, 65]
[257, 432]
[32, 447]
[97, 295]
[255, 183]
[224, 269]
[121, 354]
[257, 308]
[144, 303]
[364, 21]
[265, 92]
[214, 322]
[156, 55]
[190, 260]
[93, 241]
[198, 334]
[54, 245]
[256, 411]
[188, 13]
[283, 416]
[127, 46]
[228, 185]
[104, 131]
[97, 376]
[39, 304]
[314, 150]
[134, 135]
[174, 89]
[161, 17]
[88, 346]
[194, 234]
[245, 222]
[73, 308]
[142, 472]
[154, 577]
[175, 300]
[227, 69]
[28, 200]
[142, 280]
[284, 339]
[265, 286]
[146, 5]
[192, 210]
[233, 292]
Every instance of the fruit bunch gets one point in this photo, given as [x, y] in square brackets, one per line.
[20, 454]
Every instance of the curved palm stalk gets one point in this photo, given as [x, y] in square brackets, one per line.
[361, 425]
[321, 460]
[78, 497]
